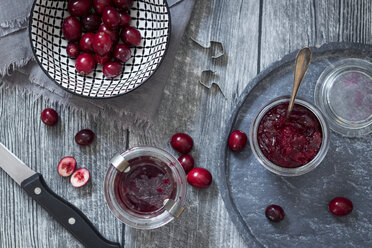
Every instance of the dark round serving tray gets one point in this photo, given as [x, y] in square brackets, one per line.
[247, 187]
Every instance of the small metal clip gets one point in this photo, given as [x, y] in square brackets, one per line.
[119, 162]
[173, 207]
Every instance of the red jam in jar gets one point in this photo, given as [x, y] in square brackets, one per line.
[145, 187]
[289, 142]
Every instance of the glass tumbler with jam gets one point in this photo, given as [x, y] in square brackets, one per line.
[145, 187]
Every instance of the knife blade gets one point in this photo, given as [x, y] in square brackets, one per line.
[64, 212]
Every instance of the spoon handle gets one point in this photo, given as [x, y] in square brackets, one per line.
[301, 65]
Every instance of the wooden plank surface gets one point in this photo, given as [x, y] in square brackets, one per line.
[254, 34]
[23, 222]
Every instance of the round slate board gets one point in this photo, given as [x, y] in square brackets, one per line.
[247, 187]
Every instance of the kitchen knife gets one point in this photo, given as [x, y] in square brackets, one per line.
[64, 212]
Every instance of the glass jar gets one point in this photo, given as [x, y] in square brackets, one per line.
[283, 171]
[145, 187]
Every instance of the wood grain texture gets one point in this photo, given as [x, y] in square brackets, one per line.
[26, 224]
[189, 107]
[254, 34]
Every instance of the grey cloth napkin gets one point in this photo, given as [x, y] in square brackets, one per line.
[19, 69]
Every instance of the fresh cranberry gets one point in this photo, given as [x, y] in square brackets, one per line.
[274, 213]
[100, 5]
[182, 142]
[80, 178]
[114, 34]
[73, 50]
[340, 206]
[187, 162]
[84, 137]
[237, 141]
[71, 28]
[125, 20]
[91, 22]
[49, 116]
[102, 59]
[123, 4]
[85, 63]
[112, 69]
[111, 17]
[121, 53]
[86, 42]
[79, 7]
[131, 36]
[199, 178]
[102, 43]
[66, 166]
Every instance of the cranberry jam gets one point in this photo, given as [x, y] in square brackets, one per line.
[145, 186]
[289, 142]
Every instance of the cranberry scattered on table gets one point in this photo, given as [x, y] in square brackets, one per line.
[66, 166]
[340, 206]
[84, 137]
[182, 143]
[274, 213]
[80, 177]
[187, 162]
[237, 141]
[199, 178]
[110, 19]
[49, 117]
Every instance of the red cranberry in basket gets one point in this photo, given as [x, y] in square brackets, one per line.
[237, 140]
[85, 63]
[182, 142]
[80, 178]
[112, 69]
[114, 34]
[73, 50]
[71, 28]
[340, 206]
[79, 7]
[187, 162]
[49, 116]
[199, 178]
[123, 4]
[102, 43]
[66, 166]
[125, 20]
[131, 36]
[84, 137]
[111, 17]
[121, 53]
[100, 5]
[102, 59]
[91, 22]
[274, 213]
[86, 42]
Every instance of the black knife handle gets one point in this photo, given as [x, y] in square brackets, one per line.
[65, 213]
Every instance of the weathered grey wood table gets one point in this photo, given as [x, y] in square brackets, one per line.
[254, 34]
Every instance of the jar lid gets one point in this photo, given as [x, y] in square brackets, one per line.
[344, 94]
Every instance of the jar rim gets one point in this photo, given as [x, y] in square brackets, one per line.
[253, 139]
